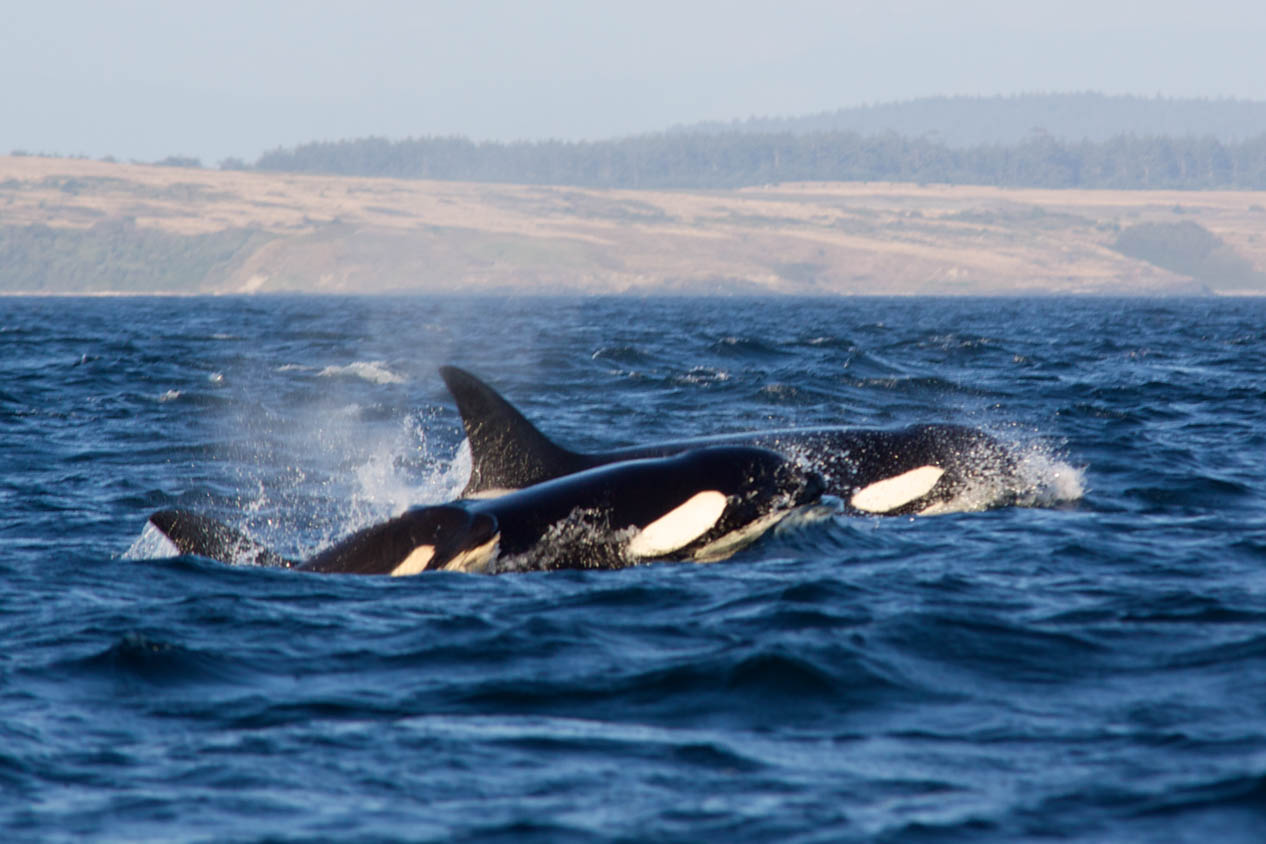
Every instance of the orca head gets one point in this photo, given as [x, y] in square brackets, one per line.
[655, 508]
[445, 537]
[934, 468]
[741, 492]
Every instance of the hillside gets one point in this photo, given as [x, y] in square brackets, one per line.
[702, 161]
[972, 121]
[1091, 141]
[75, 226]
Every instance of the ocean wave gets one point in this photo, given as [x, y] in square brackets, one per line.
[139, 657]
[703, 375]
[375, 372]
[1087, 672]
[747, 347]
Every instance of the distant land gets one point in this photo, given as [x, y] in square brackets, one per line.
[965, 121]
[72, 226]
[1088, 141]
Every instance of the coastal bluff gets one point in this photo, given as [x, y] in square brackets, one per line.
[77, 226]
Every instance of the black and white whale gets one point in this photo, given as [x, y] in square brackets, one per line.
[701, 505]
[921, 469]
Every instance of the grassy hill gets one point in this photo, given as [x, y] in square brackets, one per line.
[75, 226]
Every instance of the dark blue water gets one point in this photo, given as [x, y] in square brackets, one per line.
[1089, 668]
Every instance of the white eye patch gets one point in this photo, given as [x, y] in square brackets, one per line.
[890, 493]
[679, 526]
[415, 562]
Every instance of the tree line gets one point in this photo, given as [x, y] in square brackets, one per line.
[702, 160]
[962, 121]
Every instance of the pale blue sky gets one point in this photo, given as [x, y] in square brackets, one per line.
[147, 79]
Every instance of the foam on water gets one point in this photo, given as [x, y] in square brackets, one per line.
[1048, 480]
[375, 372]
[1037, 477]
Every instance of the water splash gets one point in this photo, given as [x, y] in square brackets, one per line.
[1049, 480]
[408, 470]
[1037, 476]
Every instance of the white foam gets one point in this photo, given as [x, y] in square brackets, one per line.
[828, 507]
[450, 478]
[1040, 478]
[170, 395]
[386, 477]
[375, 371]
[353, 474]
[1049, 481]
[704, 375]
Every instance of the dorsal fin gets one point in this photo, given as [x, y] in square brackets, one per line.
[507, 451]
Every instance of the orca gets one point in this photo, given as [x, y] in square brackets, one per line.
[920, 469]
[701, 505]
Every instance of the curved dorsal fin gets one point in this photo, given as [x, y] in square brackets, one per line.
[507, 451]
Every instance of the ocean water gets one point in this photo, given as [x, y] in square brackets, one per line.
[1089, 667]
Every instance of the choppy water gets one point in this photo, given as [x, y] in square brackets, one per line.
[1090, 670]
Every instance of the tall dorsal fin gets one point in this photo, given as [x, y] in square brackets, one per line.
[507, 451]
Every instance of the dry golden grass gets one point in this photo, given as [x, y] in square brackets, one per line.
[357, 234]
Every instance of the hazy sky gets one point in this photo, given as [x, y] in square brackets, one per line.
[146, 79]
